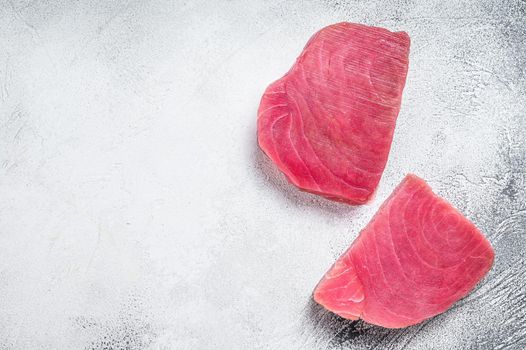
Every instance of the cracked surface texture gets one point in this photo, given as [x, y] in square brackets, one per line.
[137, 211]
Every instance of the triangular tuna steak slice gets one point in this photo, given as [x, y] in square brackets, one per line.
[416, 257]
[329, 122]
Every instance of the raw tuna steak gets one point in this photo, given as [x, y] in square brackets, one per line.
[329, 122]
[416, 258]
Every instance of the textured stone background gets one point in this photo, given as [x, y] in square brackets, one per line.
[136, 211]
